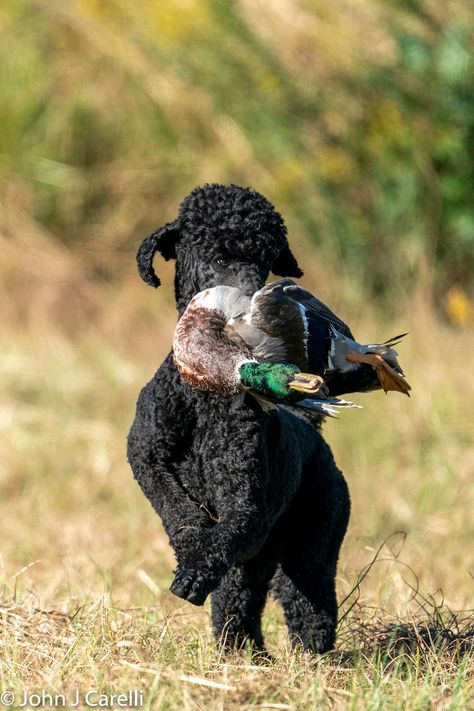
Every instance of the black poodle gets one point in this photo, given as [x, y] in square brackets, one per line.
[249, 500]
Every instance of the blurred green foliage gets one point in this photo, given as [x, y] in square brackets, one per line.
[355, 119]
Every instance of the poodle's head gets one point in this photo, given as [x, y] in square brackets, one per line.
[223, 234]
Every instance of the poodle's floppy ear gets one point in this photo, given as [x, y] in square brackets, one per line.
[286, 265]
[163, 241]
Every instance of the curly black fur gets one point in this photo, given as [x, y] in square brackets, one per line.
[249, 500]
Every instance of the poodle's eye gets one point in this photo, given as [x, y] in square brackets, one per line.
[223, 262]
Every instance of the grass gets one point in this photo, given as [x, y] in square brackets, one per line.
[85, 565]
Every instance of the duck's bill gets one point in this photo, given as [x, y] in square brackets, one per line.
[306, 383]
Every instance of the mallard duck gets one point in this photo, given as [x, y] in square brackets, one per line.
[277, 345]
[211, 355]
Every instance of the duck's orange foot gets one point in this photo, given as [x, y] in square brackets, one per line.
[388, 377]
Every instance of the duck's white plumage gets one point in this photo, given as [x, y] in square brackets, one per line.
[233, 302]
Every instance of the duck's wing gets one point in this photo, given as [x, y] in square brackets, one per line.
[299, 320]
[264, 347]
[278, 325]
[315, 309]
[331, 344]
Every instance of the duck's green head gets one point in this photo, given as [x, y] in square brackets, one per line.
[273, 380]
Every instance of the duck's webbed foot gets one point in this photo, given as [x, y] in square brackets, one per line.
[388, 377]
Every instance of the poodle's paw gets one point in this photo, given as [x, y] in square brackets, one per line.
[192, 586]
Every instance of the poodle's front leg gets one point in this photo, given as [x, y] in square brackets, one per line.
[248, 484]
[236, 538]
[245, 498]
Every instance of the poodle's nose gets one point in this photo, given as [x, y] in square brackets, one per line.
[250, 280]
[249, 288]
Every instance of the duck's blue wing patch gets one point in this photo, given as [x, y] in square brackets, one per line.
[318, 343]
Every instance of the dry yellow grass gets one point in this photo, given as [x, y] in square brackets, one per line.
[85, 565]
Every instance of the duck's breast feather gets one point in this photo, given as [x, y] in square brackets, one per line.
[204, 353]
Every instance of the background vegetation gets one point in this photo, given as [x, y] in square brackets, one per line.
[356, 120]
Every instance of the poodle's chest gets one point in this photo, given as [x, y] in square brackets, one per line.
[228, 442]
[224, 432]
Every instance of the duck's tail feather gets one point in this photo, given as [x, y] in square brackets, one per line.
[329, 406]
[395, 340]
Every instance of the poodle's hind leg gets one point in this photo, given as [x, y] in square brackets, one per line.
[238, 602]
[311, 538]
[308, 597]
